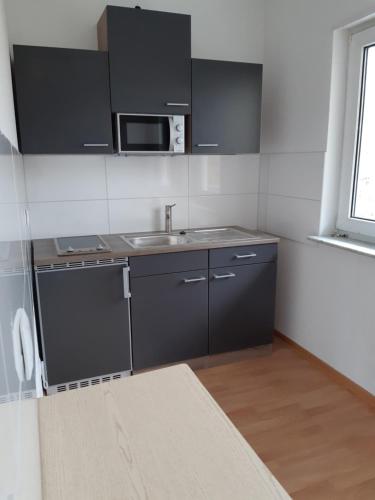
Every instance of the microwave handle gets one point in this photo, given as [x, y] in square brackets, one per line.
[171, 130]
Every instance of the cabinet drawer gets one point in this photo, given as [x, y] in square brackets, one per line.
[239, 256]
[148, 265]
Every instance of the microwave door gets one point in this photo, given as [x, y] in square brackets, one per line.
[144, 134]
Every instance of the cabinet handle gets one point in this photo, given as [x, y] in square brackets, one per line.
[125, 276]
[93, 145]
[207, 145]
[223, 276]
[246, 256]
[194, 280]
[181, 104]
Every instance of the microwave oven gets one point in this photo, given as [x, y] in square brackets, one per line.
[150, 134]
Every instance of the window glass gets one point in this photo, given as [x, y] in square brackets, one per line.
[363, 205]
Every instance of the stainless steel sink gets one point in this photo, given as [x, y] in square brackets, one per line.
[216, 235]
[159, 240]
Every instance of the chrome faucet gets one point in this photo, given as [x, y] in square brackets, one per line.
[168, 217]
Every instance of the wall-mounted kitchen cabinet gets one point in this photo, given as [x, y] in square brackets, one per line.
[62, 100]
[226, 107]
[149, 60]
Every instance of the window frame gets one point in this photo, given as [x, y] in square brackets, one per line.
[358, 42]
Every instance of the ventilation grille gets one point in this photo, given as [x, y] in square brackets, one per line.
[79, 264]
[79, 384]
[15, 396]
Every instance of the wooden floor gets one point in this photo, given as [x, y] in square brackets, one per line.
[317, 438]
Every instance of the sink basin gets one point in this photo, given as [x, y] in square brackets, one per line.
[217, 235]
[159, 240]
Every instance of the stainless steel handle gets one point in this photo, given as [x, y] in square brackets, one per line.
[207, 145]
[125, 276]
[223, 276]
[246, 256]
[182, 104]
[93, 145]
[194, 280]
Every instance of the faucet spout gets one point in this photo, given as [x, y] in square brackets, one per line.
[168, 217]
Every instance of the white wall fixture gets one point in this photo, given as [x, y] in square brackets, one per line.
[23, 349]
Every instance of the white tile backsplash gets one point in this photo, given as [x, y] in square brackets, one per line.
[299, 175]
[102, 194]
[64, 178]
[220, 210]
[292, 218]
[146, 214]
[223, 174]
[262, 211]
[264, 168]
[147, 176]
[66, 218]
[290, 192]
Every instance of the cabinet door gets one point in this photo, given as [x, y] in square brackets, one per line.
[150, 60]
[84, 320]
[63, 100]
[241, 306]
[226, 101]
[169, 318]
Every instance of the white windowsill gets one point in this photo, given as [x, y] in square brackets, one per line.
[355, 246]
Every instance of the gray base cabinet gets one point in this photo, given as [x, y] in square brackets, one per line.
[84, 320]
[190, 304]
[169, 318]
[241, 306]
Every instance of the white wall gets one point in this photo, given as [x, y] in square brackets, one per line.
[7, 118]
[104, 194]
[220, 29]
[324, 299]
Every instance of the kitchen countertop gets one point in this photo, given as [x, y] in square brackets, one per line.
[157, 435]
[45, 250]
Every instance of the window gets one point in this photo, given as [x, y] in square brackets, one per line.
[357, 196]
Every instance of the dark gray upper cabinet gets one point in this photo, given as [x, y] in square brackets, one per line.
[149, 60]
[226, 107]
[84, 320]
[62, 100]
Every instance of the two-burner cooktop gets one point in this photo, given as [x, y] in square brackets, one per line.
[75, 245]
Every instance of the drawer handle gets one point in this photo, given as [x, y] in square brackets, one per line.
[207, 145]
[246, 256]
[182, 104]
[224, 276]
[95, 145]
[194, 280]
